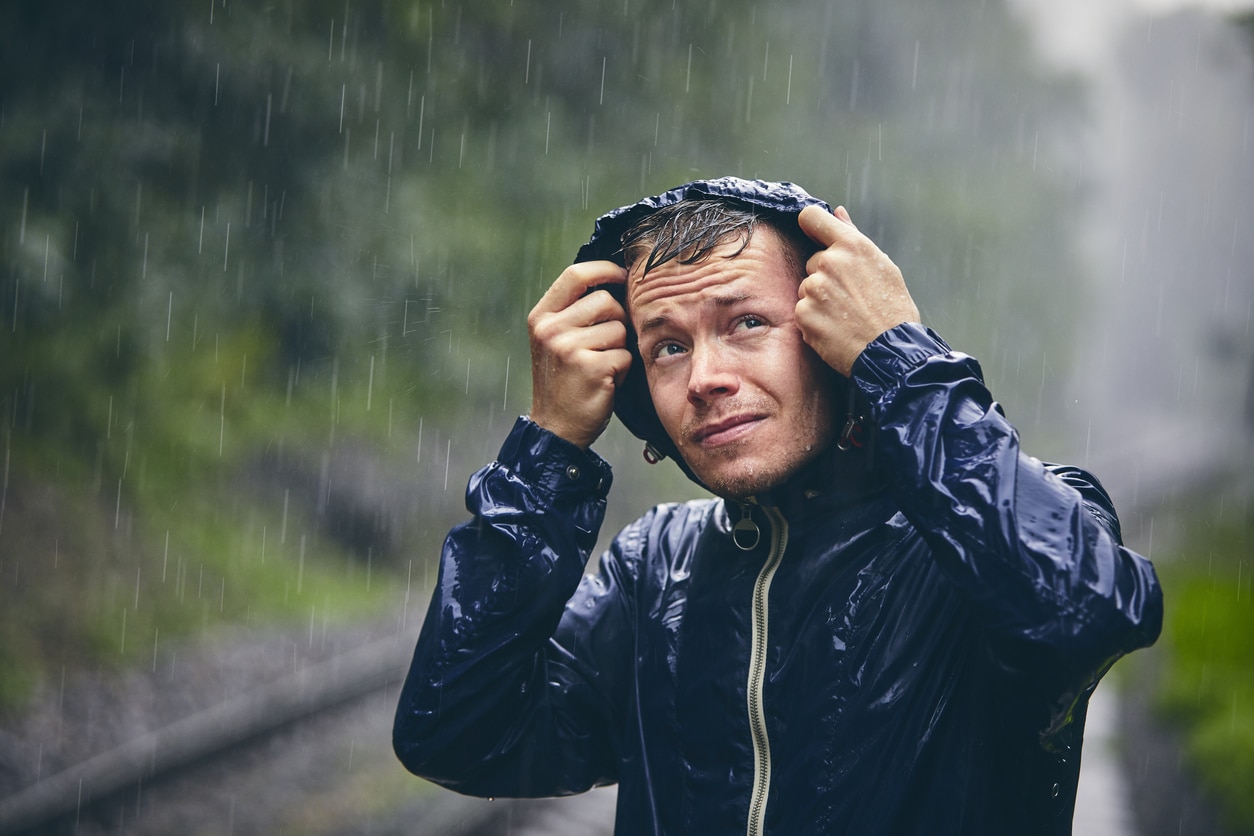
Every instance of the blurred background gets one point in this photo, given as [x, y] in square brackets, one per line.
[264, 271]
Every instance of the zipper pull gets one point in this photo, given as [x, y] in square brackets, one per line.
[746, 534]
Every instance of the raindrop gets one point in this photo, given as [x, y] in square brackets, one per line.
[409, 582]
[222, 421]
[418, 458]
[283, 527]
[422, 108]
[504, 397]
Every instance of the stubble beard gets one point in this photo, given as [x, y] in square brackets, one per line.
[749, 479]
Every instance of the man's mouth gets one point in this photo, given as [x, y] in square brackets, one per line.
[727, 430]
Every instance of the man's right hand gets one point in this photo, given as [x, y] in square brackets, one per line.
[579, 352]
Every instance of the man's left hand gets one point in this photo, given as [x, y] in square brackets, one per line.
[852, 292]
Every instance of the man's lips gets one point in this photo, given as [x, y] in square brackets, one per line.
[725, 430]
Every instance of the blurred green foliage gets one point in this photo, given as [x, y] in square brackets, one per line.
[1207, 686]
[238, 238]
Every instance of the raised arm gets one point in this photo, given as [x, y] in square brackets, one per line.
[1036, 549]
[494, 704]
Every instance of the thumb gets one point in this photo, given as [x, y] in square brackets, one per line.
[843, 213]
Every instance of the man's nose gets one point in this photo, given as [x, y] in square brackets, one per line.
[712, 374]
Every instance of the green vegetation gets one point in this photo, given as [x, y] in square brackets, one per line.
[171, 532]
[1207, 685]
[241, 242]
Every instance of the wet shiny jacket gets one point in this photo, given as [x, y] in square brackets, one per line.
[902, 640]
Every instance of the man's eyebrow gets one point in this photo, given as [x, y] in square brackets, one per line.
[652, 323]
[724, 301]
[727, 300]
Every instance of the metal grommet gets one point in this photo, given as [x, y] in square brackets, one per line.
[572, 473]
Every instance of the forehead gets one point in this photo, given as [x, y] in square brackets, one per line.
[759, 270]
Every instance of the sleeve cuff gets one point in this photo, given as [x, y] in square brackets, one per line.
[887, 359]
[553, 463]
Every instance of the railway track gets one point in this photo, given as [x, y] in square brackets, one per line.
[82, 797]
[208, 734]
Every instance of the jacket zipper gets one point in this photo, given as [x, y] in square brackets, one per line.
[757, 676]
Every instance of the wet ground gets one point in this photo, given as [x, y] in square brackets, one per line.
[337, 774]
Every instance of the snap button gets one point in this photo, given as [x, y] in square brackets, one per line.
[572, 473]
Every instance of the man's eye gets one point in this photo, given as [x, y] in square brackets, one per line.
[668, 350]
[750, 321]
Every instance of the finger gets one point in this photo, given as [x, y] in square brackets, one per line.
[576, 280]
[843, 213]
[823, 228]
[600, 336]
[623, 363]
[619, 363]
[597, 306]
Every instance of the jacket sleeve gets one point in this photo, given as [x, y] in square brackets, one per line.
[493, 703]
[1035, 548]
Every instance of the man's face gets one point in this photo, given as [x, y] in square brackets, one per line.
[745, 400]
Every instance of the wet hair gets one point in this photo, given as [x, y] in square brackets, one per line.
[690, 230]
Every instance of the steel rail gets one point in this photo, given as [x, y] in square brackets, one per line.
[312, 690]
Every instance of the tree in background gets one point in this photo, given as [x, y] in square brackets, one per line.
[238, 239]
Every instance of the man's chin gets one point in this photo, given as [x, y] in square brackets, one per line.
[743, 482]
[740, 478]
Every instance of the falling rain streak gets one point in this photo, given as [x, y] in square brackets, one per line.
[880, 109]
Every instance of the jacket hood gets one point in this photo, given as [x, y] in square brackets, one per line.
[632, 403]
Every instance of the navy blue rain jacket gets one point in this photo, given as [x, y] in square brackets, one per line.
[908, 648]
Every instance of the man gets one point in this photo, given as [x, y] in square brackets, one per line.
[890, 619]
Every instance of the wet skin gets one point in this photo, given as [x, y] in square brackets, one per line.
[744, 398]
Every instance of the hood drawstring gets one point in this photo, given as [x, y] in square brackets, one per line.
[746, 534]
